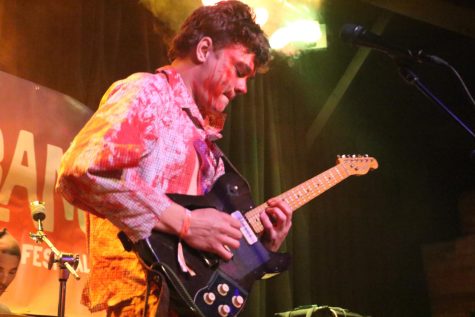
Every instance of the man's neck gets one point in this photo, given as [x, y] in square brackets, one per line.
[187, 70]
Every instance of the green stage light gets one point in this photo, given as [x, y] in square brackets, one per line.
[300, 34]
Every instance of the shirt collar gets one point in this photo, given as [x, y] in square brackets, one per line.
[212, 124]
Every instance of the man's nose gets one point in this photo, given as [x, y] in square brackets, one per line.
[241, 86]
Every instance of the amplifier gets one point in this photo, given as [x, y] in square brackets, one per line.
[318, 311]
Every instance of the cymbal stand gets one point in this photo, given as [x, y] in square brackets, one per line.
[67, 263]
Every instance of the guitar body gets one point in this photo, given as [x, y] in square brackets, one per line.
[229, 282]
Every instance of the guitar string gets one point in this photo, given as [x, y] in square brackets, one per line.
[301, 194]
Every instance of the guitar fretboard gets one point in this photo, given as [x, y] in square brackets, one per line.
[301, 194]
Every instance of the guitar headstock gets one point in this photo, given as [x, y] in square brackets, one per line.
[357, 164]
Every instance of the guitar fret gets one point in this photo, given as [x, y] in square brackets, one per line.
[338, 172]
[308, 190]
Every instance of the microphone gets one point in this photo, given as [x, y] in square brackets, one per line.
[357, 35]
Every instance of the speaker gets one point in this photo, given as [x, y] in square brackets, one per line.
[318, 311]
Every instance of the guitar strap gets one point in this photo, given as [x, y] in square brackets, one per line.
[153, 276]
[228, 166]
[156, 277]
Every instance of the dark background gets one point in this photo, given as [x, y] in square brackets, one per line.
[359, 246]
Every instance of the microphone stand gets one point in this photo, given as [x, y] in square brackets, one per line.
[67, 263]
[411, 78]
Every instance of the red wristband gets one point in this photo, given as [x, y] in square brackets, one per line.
[186, 224]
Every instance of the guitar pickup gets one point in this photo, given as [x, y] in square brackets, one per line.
[246, 230]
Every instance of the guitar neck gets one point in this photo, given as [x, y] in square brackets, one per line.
[301, 194]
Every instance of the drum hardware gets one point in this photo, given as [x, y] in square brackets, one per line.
[67, 262]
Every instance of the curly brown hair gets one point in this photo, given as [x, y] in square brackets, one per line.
[227, 22]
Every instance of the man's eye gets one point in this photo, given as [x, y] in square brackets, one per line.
[239, 73]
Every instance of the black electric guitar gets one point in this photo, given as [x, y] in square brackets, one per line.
[221, 288]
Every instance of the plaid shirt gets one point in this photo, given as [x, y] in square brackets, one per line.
[147, 138]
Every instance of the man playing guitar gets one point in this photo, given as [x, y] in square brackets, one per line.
[152, 135]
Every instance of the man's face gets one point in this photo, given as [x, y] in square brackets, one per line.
[8, 267]
[224, 75]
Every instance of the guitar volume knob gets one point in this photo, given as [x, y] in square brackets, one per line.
[237, 301]
[209, 298]
[223, 289]
[223, 310]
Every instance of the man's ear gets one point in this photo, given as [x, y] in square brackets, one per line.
[203, 49]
